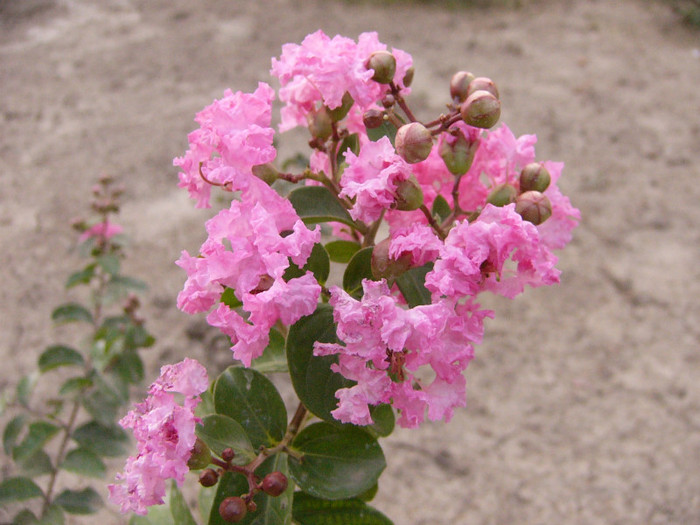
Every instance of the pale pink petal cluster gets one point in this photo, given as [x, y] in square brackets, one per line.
[322, 69]
[473, 258]
[371, 179]
[385, 346]
[165, 436]
[248, 250]
[419, 240]
[102, 230]
[234, 135]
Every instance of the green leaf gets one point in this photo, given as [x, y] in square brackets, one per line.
[127, 283]
[25, 517]
[369, 494]
[37, 436]
[83, 276]
[338, 461]
[109, 263]
[384, 421]
[104, 440]
[52, 516]
[441, 209]
[157, 515]
[59, 355]
[129, 367]
[387, 129]
[412, 285]
[179, 508]
[316, 204]
[11, 433]
[85, 501]
[36, 465]
[308, 510]
[313, 380]
[251, 399]
[25, 387]
[318, 263]
[229, 298]
[18, 489]
[274, 358]
[342, 251]
[73, 384]
[352, 143]
[205, 501]
[271, 510]
[84, 462]
[71, 312]
[359, 267]
[220, 432]
[104, 400]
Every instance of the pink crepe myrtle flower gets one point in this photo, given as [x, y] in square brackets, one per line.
[234, 135]
[102, 230]
[384, 345]
[322, 69]
[473, 258]
[164, 431]
[371, 178]
[417, 239]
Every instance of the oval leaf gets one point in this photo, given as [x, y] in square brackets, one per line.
[59, 355]
[84, 462]
[11, 433]
[441, 209]
[273, 358]
[18, 489]
[220, 432]
[342, 251]
[384, 421]
[104, 440]
[359, 267]
[412, 285]
[179, 508]
[316, 204]
[85, 501]
[338, 462]
[81, 277]
[318, 263]
[313, 380]
[251, 399]
[39, 433]
[70, 313]
[308, 510]
[387, 129]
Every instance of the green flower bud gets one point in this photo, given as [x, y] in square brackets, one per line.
[481, 109]
[409, 195]
[483, 84]
[200, 457]
[502, 195]
[408, 77]
[384, 267]
[459, 155]
[535, 177]
[320, 124]
[266, 172]
[534, 207]
[339, 113]
[384, 65]
[459, 85]
[413, 142]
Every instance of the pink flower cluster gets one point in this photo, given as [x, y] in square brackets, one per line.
[164, 431]
[102, 230]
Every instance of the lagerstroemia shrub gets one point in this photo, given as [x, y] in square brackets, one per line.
[420, 217]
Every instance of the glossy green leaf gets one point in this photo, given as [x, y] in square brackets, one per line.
[352, 143]
[84, 462]
[316, 204]
[59, 355]
[221, 432]
[178, 506]
[11, 432]
[387, 129]
[318, 263]
[38, 434]
[83, 276]
[342, 251]
[441, 209]
[251, 399]
[18, 489]
[384, 421]
[313, 380]
[271, 510]
[412, 285]
[369, 494]
[103, 440]
[71, 312]
[309, 510]
[359, 267]
[274, 358]
[229, 298]
[338, 462]
[85, 501]
[109, 263]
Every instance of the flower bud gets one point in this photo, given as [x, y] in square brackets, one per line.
[413, 142]
[232, 509]
[384, 65]
[502, 195]
[208, 478]
[409, 195]
[339, 113]
[274, 484]
[481, 109]
[483, 84]
[408, 76]
[458, 155]
[200, 456]
[384, 267]
[228, 454]
[459, 85]
[534, 176]
[388, 100]
[373, 118]
[534, 207]
[320, 124]
[266, 172]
